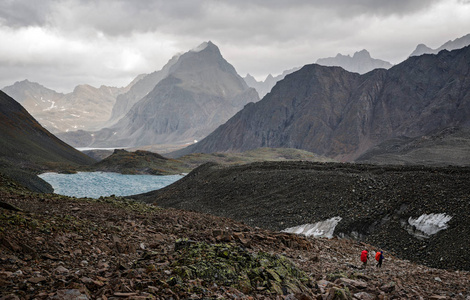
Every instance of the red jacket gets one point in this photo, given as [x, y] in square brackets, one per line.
[364, 256]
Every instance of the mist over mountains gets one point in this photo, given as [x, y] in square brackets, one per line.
[332, 112]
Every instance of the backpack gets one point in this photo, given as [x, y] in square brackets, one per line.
[364, 256]
[377, 256]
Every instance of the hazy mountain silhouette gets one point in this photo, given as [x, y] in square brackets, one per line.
[332, 112]
[361, 62]
[449, 45]
[264, 87]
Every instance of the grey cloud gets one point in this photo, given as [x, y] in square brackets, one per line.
[24, 13]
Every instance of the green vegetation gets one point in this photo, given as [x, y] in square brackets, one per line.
[231, 265]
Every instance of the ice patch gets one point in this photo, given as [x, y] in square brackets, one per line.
[320, 229]
[430, 224]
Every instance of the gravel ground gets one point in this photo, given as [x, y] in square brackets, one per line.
[374, 202]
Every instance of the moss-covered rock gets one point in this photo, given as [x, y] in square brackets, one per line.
[229, 264]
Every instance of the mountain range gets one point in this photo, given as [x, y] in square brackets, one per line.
[339, 114]
[85, 108]
[201, 91]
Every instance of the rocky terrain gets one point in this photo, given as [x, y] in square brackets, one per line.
[449, 146]
[374, 202]
[341, 115]
[361, 62]
[55, 247]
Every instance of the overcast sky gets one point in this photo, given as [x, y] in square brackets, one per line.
[63, 43]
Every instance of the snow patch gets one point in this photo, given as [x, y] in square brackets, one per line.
[430, 224]
[51, 107]
[320, 229]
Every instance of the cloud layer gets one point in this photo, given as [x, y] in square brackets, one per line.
[62, 43]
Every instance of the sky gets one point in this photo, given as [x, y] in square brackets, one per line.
[64, 43]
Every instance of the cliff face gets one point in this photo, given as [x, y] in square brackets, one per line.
[332, 112]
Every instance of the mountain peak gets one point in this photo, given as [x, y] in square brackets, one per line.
[205, 46]
[362, 54]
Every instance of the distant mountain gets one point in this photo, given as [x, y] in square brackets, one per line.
[85, 108]
[26, 147]
[332, 112]
[361, 62]
[201, 91]
[142, 85]
[264, 87]
[449, 45]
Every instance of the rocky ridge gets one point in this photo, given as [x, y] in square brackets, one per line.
[55, 247]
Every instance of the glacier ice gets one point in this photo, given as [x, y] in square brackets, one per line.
[430, 224]
[320, 229]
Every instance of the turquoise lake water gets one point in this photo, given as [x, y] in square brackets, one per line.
[97, 184]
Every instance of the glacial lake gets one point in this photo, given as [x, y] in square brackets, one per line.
[97, 184]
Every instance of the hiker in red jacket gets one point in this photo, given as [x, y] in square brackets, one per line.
[379, 256]
[364, 258]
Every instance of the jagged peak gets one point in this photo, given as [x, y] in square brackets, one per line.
[363, 53]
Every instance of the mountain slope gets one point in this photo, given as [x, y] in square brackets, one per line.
[26, 145]
[332, 112]
[201, 91]
[443, 147]
[361, 62]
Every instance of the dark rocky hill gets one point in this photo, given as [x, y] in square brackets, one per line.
[332, 112]
[374, 202]
[361, 62]
[26, 147]
[201, 91]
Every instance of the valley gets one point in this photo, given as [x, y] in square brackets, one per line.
[380, 151]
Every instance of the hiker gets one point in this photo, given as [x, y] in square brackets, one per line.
[364, 257]
[379, 256]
